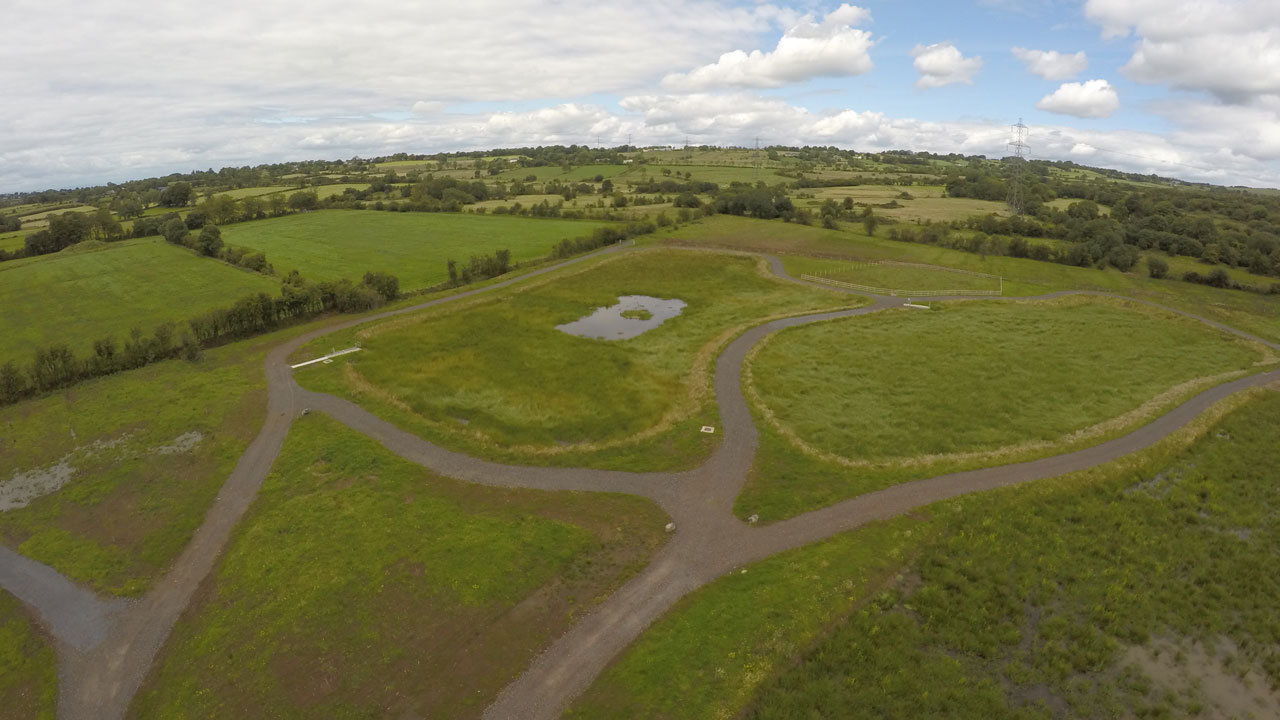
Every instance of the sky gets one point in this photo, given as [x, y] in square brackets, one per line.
[113, 91]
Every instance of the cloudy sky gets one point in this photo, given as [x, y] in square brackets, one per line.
[110, 90]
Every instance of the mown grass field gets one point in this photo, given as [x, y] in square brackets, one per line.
[1020, 603]
[891, 277]
[495, 377]
[89, 292]
[28, 674]
[135, 493]
[1252, 312]
[334, 244]
[361, 585]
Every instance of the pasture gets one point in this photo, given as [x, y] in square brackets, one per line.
[333, 244]
[14, 240]
[357, 574]
[242, 193]
[530, 393]
[93, 291]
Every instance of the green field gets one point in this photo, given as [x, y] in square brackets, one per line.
[89, 292]
[523, 390]
[891, 276]
[334, 244]
[242, 193]
[361, 585]
[136, 485]
[1148, 592]
[860, 404]
[980, 607]
[1252, 312]
[980, 375]
[13, 240]
[28, 675]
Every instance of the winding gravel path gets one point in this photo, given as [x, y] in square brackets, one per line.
[107, 647]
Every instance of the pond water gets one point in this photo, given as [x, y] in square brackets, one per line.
[608, 323]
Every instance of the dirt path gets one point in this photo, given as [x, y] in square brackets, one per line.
[106, 648]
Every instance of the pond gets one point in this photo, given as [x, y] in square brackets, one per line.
[633, 315]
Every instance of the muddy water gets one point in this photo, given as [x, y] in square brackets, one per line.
[607, 323]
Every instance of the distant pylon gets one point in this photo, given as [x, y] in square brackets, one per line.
[1018, 146]
[756, 159]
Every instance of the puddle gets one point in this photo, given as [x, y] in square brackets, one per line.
[609, 323]
[19, 490]
[183, 443]
[23, 487]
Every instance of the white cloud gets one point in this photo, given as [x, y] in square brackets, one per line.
[1230, 48]
[112, 89]
[808, 49]
[1051, 64]
[1090, 99]
[943, 64]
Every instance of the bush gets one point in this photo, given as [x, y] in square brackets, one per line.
[1157, 267]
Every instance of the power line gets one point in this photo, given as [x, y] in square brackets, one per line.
[1018, 145]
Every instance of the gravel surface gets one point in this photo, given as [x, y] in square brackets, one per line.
[107, 647]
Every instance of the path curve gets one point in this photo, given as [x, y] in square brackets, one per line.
[106, 648]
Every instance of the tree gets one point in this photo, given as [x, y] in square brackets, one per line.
[175, 231]
[178, 194]
[870, 221]
[304, 201]
[1157, 267]
[210, 241]
[388, 286]
[12, 383]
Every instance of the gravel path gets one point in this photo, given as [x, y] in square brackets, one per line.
[107, 647]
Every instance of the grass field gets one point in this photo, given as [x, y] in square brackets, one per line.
[414, 247]
[361, 585]
[528, 392]
[85, 294]
[28, 676]
[242, 193]
[979, 607]
[1258, 314]
[707, 655]
[979, 375]
[136, 485]
[13, 240]
[857, 405]
[893, 277]
[1147, 592]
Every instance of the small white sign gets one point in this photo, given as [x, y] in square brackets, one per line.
[708, 429]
